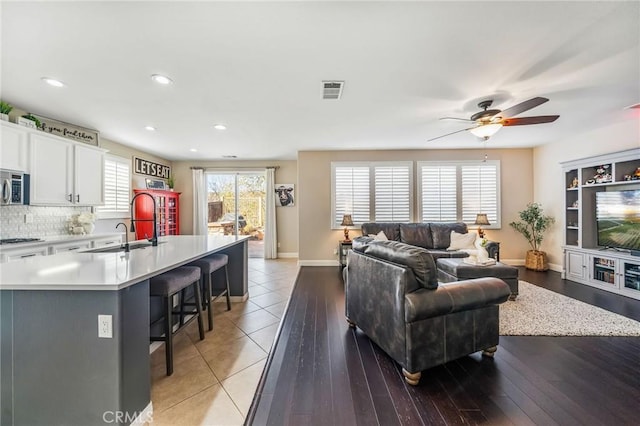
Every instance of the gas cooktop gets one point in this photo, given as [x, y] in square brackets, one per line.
[18, 240]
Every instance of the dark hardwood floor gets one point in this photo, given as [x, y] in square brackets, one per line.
[322, 372]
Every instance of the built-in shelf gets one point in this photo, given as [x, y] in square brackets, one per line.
[584, 262]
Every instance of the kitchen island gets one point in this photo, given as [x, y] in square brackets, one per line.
[54, 369]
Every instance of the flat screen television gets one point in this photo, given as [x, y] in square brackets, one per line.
[618, 219]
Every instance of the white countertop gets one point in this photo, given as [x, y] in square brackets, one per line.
[108, 271]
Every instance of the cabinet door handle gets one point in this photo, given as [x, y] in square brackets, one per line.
[73, 248]
[71, 198]
[78, 198]
[27, 255]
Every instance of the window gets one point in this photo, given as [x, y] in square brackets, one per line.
[117, 188]
[380, 191]
[451, 192]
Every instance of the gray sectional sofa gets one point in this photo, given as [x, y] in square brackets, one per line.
[434, 237]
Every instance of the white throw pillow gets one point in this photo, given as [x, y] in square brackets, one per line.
[462, 241]
[381, 236]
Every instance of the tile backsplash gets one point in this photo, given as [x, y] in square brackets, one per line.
[47, 221]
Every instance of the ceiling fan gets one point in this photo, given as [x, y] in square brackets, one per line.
[489, 121]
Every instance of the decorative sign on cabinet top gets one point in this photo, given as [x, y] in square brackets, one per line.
[149, 168]
[69, 131]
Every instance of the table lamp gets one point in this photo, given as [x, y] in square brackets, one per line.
[346, 221]
[481, 219]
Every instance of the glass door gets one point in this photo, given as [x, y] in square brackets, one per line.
[237, 206]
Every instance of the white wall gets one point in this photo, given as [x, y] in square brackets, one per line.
[548, 180]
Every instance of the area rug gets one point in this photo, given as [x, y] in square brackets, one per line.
[541, 312]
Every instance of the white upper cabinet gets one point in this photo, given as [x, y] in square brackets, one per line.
[89, 176]
[65, 172]
[14, 147]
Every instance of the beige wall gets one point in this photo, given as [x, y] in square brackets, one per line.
[548, 180]
[286, 217]
[137, 181]
[318, 240]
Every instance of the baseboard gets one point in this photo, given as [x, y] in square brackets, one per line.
[282, 255]
[145, 416]
[318, 263]
[520, 262]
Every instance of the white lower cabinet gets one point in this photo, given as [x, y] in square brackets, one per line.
[70, 246]
[18, 254]
[106, 242]
[617, 272]
[575, 265]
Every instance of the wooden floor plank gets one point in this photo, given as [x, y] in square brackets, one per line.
[322, 372]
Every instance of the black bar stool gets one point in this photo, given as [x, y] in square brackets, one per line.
[208, 265]
[166, 286]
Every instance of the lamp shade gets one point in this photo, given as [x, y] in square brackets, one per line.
[481, 219]
[346, 220]
[485, 131]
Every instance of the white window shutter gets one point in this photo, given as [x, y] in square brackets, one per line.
[439, 193]
[479, 192]
[117, 188]
[392, 192]
[351, 194]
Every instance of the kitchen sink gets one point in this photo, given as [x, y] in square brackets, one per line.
[116, 249]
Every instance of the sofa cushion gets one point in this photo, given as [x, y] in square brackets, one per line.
[380, 236]
[441, 233]
[416, 258]
[359, 243]
[462, 241]
[390, 229]
[416, 234]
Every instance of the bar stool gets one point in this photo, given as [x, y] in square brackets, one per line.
[208, 265]
[167, 285]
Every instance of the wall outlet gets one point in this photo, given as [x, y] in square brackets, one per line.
[28, 218]
[278, 245]
[105, 326]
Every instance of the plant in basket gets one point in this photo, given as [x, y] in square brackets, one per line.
[532, 226]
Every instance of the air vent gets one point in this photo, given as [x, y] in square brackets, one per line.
[332, 89]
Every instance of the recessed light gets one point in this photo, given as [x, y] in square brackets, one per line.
[220, 127]
[193, 150]
[162, 79]
[150, 128]
[53, 82]
[229, 156]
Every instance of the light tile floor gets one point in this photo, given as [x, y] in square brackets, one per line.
[214, 380]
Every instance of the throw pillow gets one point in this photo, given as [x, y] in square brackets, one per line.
[462, 241]
[380, 236]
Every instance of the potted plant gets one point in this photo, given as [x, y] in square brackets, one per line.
[533, 224]
[5, 109]
[32, 118]
[170, 182]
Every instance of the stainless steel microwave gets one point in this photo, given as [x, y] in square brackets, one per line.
[15, 187]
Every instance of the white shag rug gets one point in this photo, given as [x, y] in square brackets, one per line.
[541, 312]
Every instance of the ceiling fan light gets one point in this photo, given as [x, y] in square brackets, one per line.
[485, 131]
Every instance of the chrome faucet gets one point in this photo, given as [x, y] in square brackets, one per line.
[126, 236]
[154, 239]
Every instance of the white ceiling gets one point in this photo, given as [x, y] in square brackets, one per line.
[258, 67]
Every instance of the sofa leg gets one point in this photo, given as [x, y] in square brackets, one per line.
[411, 378]
[490, 352]
[512, 297]
[351, 323]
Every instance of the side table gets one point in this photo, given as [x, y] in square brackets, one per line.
[343, 249]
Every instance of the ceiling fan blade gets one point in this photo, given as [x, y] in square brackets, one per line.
[456, 118]
[452, 133]
[522, 107]
[529, 120]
